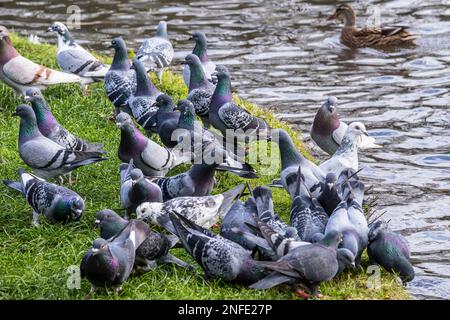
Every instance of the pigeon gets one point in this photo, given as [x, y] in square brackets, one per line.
[291, 159]
[120, 80]
[165, 112]
[218, 256]
[200, 89]
[200, 51]
[346, 156]
[154, 249]
[147, 155]
[204, 146]
[329, 198]
[142, 102]
[21, 73]
[307, 215]
[157, 52]
[51, 128]
[57, 203]
[204, 211]
[350, 185]
[47, 158]
[73, 58]
[308, 265]
[239, 215]
[264, 204]
[346, 259]
[389, 250]
[349, 219]
[109, 262]
[225, 115]
[327, 130]
[136, 189]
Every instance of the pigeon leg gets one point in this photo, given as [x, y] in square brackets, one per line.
[159, 74]
[117, 289]
[149, 265]
[61, 180]
[85, 90]
[301, 294]
[35, 220]
[70, 181]
[172, 259]
[90, 293]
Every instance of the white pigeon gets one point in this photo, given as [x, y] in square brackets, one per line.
[346, 156]
[21, 73]
[73, 58]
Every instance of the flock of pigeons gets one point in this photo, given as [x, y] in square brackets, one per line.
[328, 230]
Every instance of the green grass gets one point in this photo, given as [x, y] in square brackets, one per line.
[34, 261]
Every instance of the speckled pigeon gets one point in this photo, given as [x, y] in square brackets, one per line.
[218, 257]
[51, 128]
[120, 80]
[147, 155]
[205, 146]
[157, 52]
[200, 50]
[349, 219]
[200, 89]
[154, 249]
[225, 115]
[308, 265]
[109, 262]
[136, 189]
[328, 131]
[346, 156]
[264, 203]
[57, 203]
[142, 102]
[21, 73]
[204, 211]
[47, 158]
[390, 250]
[307, 215]
[73, 58]
[291, 159]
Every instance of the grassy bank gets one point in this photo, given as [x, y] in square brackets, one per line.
[34, 261]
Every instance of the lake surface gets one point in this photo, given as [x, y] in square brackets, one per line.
[285, 56]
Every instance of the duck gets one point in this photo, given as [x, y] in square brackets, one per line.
[371, 36]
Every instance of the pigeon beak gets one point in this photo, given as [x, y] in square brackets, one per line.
[95, 250]
[183, 62]
[49, 29]
[27, 98]
[110, 46]
[365, 133]
[15, 114]
[133, 183]
[332, 17]
[353, 265]
[119, 125]
[191, 38]
[330, 185]
[97, 222]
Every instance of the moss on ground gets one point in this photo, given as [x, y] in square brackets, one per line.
[34, 261]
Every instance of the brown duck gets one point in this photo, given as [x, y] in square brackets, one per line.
[384, 36]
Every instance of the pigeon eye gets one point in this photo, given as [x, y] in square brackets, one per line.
[34, 94]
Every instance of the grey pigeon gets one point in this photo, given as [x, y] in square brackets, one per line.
[51, 128]
[291, 159]
[142, 102]
[200, 89]
[157, 52]
[237, 218]
[225, 115]
[205, 146]
[165, 112]
[346, 259]
[328, 131]
[21, 73]
[218, 257]
[109, 262]
[308, 265]
[349, 184]
[204, 211]
[120, 80]
[73, 58]
[47, 158]
[264, 203]
[147, 155]
[349, 219]
[389, 250]
[307, 215]
[154, 249]
[346, 156]
[57, 203]
[136, 189]
[200, 50]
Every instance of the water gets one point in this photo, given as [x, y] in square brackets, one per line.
[286, 57]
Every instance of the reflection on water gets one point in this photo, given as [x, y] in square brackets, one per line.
[283, 55]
